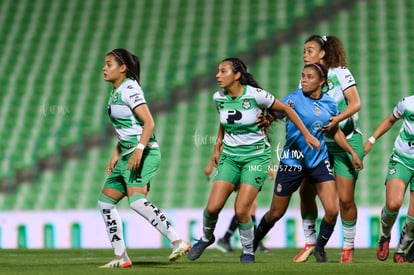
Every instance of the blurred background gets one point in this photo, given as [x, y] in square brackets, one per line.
[55, 135]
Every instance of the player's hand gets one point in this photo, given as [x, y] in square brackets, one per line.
[262, 122]
[357, 162]
[135, 160]
[111, 165]
[367, 147]
[333, 123]
[312, 142]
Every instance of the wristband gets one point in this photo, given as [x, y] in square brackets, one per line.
[372, 139]
[140, 146]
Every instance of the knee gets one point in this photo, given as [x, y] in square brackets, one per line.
[331, 215]
[212, 210]
[393, 206]
[346, 204]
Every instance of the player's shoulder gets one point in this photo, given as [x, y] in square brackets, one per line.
[407, 99]
[220, 94]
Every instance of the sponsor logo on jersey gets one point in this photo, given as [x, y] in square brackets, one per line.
[392, 171]
[130, 87]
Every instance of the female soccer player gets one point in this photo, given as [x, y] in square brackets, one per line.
[400, 176]
[329, 51]
[245, 156]
[135, 159]
[298, 162]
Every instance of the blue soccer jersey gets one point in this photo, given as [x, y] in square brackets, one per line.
[315, 113]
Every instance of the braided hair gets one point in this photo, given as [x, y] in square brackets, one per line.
[238, 66]
[131, 61]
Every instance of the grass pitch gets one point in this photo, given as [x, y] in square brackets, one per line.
[155, 261]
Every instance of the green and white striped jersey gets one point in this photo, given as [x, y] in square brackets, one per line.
[238, 117]
[404, 143]
[340, 79]
[128, 127]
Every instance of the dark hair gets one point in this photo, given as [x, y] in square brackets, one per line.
[320, 69]
[238, 66]
[335, 55]
[131, 61]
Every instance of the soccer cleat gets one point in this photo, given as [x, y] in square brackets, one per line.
[178, 251]
[347, 256]
[399, 258]
[198, 249]
[224, 245]
[410, 254]
[383, 248]
[320, 255]
[262, 248]
[246, 258]
[304, 254]
[118, 263]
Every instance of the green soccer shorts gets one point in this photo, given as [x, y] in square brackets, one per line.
[121, 177]
[252, 170]
[342, 161]
[397, 170]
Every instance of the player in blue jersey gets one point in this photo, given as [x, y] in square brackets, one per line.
[341, 86]
[400, 177]
[241, 153]
[135, 159]
[298, 161]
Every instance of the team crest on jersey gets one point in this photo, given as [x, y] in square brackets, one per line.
[317, 126]
[290, 103]
[317, 110]
[115, 98]
[330, 84]
[246, 103]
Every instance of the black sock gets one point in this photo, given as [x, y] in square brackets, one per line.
[232, 227]
[325, 232]
[262, 229]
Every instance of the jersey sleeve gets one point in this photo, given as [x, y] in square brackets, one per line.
[399, 109]
[133, 96]
[264, 99]
[345, 78]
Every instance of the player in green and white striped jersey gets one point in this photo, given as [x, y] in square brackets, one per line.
[135, 159]
[400, 176]
[241, 153]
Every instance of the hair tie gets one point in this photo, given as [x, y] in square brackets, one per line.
[324, 38]
[120, 59]
[319, 68]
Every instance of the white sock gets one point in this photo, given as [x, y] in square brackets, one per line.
[407, 235]
[309, 229]
[155, 217]
[114, 229]
[349, 236]
[246, 232]
[387, 221]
